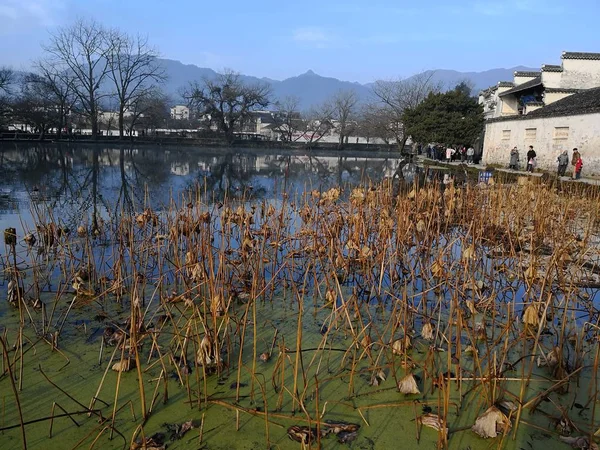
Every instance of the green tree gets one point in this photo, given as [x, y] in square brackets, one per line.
[452, 118]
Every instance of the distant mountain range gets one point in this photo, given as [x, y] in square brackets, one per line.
[313, 89]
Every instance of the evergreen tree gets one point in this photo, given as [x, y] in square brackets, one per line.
[451, 118]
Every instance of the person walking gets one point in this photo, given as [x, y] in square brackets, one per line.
[514, 159]
[449, 153]
[563, 162]
[531, 155]
[576, 157]
[470, 155]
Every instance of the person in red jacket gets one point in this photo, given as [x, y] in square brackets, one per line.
[578, 167]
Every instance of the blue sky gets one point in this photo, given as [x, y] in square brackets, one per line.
[347, 39]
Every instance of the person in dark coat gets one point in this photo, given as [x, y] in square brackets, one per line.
[514, 159]
[531, 155]
[563, 162]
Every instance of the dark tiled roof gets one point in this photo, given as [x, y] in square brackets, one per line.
[523, 73]
[489, 90]
[551, 68]
[580, 55]
[522, 87]
[585, 102]
[563, 90]
[505, 84]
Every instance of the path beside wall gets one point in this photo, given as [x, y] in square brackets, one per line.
[549, 137]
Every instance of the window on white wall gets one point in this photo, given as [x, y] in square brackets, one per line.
[505, 135]
[561, 133]
[530, 133]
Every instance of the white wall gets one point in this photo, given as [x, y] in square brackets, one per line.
[520, 80]
[580, 74]
[552, 79]
[583, 133]
[551, 97]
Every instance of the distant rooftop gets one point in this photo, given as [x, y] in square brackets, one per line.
[526, 74]
[551, 68]
[522, 87]
[584, 102]
[581, 55]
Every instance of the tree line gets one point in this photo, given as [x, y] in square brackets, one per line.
[88, 68]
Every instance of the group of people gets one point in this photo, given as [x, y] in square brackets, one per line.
[576, 162]
[451, 154]
[563, 162]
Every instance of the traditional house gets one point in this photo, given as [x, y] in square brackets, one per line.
[553, 110]
[572, 122]
[180, 112]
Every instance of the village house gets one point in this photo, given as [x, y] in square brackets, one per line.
[555, 109]
[180, 112]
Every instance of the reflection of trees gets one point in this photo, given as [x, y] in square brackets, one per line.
[79, 183]
[232, 176]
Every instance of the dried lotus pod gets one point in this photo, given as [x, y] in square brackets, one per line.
[125, 365]
[427, 332]
[408, 385]
[490, 423]
[399, 346]
[433, 421]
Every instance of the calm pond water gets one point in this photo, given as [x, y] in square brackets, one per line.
[78, 180]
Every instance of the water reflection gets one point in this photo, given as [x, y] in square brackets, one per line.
[90, 182]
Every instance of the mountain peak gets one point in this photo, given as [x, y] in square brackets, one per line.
[309, 72]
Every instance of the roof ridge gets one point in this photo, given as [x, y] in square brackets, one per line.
[581, 55]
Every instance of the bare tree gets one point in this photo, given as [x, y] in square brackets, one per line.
[57, 85]
[375, 123]
[394, 97]
[288, 121]
[84, 50]
[150, 110]
[226, 100]
[343, 109]
[134, 71]
[34, 105]
[317, 123]
[7, 77]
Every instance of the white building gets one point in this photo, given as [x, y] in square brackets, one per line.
[532, 90]
[180, 112]
[573, 122]
[555, 109]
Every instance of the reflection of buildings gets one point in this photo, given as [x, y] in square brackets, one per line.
[180, 169]
[111, 157]
[325, 163]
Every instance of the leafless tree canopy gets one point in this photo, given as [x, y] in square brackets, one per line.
[226, 100]
[317, 123]
[149, 110]
[6, 79]
[133, 70]
[392, 98]
[288, 121]
[343, 109]
[83, 49]
[57, 86]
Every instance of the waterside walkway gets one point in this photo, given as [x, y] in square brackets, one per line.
[483, 167]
